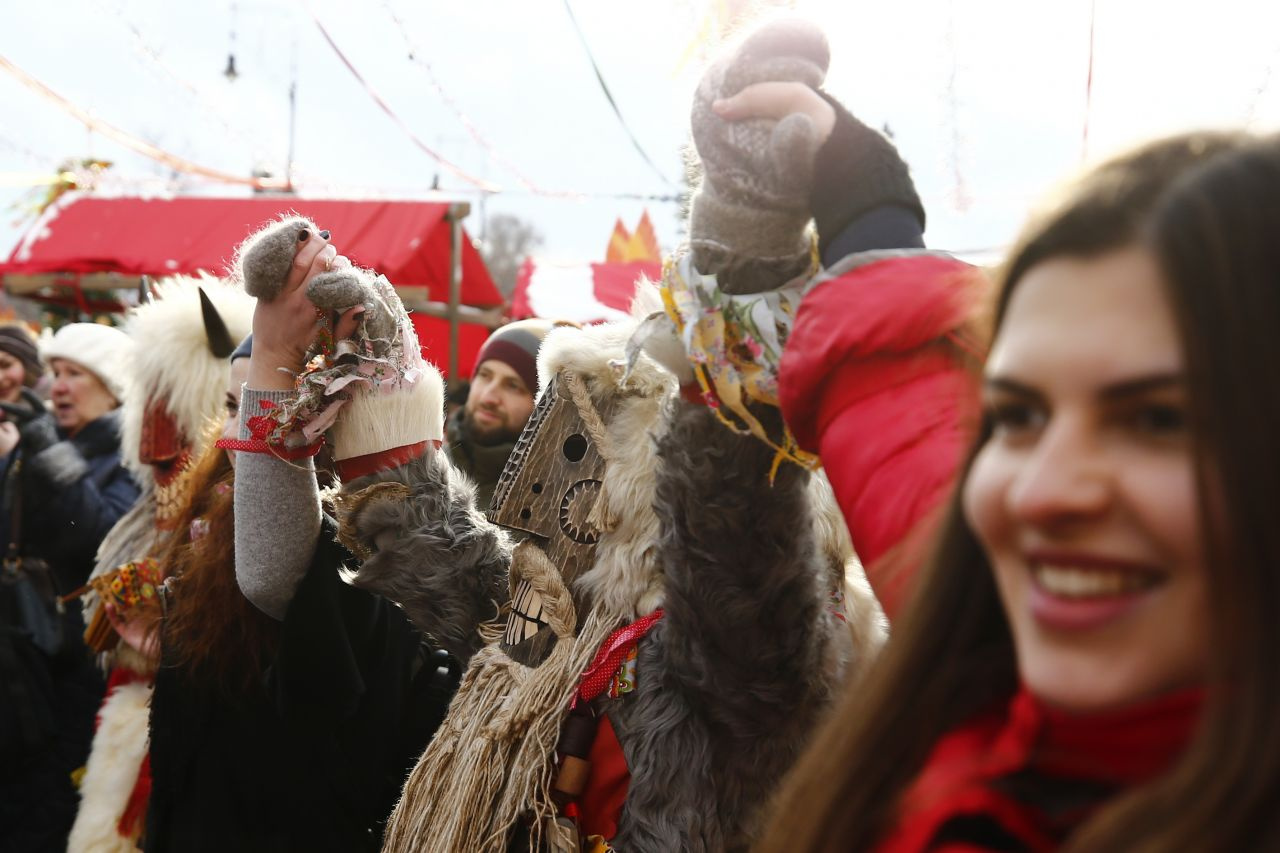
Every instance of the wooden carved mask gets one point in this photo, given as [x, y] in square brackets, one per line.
[548, 491]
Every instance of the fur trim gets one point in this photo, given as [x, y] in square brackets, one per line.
[381, 421]
[119, 746]
[429, 549]
[596, 353]
[172, 360]
[625, 579]
[868, 626]
[59, 465]
[64, 462]
[738, 671]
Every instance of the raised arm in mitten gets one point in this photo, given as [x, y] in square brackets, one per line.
[744, 581]
[749, 215]
[277, 505]
[861, 197]
[878, 379]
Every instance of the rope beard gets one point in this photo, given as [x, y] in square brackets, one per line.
[493, 760]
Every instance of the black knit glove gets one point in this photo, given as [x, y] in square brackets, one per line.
[36, 427]
[857, 170]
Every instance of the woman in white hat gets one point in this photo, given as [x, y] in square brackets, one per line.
[65, 487]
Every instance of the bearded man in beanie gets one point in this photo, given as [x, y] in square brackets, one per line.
[481, 435]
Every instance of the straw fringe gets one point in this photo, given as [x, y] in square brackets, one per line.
[492, 762]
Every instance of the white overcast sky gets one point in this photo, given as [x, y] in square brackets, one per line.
[986, 98]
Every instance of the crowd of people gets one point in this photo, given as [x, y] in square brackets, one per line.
[839, 543]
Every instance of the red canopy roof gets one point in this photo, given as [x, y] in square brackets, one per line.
[407, 241]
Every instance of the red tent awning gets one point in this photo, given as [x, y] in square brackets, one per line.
[407, 241]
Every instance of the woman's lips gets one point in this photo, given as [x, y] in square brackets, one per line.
[1081, 592]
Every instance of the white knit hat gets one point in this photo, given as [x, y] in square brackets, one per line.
[104, 351]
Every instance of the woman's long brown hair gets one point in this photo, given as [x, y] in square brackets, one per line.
[951, 653]
[212, 631]
[1217, 236]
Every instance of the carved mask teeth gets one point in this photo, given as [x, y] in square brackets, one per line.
[172, 486]
[525, 618]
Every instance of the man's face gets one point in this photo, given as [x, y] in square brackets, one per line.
[499, 404]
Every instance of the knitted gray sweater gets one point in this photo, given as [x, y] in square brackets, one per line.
[277, 513]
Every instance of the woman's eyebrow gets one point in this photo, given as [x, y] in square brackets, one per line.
[1007, 385]
[1143, 385]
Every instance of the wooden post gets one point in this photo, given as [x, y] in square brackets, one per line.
[457, 212]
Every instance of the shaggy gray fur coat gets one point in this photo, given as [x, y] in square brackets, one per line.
[731, 680]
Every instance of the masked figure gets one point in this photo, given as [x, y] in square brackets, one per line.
[183, 336]
[663, 597]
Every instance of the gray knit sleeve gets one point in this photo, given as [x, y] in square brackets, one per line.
[277, 511]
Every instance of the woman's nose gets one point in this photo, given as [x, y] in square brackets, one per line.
[1064, 477]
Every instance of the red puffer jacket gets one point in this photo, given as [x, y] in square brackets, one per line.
[878, 380]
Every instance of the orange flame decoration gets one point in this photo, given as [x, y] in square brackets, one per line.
[638, 245]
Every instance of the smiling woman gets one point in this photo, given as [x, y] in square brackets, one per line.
[1084, 497]
[1086, 660]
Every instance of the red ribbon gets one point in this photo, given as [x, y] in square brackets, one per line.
[383, 460]
[257, 445]
[609, 657]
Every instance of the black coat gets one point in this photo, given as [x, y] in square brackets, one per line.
[315, 759]
[73, 492]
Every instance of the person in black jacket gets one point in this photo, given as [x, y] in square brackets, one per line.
[65, 487]
[279, 735]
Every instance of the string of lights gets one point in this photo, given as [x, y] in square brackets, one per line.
[604, 87]
[960, 190]
[418, 57]
[128, 140]
[38, 160]
[1088, 86]
[209, 106]
[1251, 113]
[452, 167]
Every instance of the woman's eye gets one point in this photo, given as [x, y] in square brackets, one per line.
[1159, 419]
[1015, 417]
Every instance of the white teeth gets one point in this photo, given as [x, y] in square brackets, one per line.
[1071, 582]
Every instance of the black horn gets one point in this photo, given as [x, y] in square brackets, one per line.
[220, 343]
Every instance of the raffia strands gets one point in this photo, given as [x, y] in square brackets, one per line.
[492, 762]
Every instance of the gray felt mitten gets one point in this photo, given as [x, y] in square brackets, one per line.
[264, 260]
[749, 215]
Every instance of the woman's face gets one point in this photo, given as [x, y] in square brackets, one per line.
[12, 376]
[236, 377]
[78, 395]
[1085, 498]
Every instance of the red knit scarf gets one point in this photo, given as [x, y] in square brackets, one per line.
[1028, 774]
